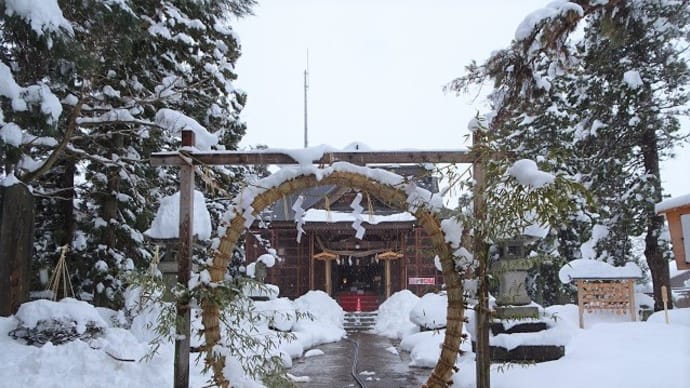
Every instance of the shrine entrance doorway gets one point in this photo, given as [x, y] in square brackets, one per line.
[358, 283]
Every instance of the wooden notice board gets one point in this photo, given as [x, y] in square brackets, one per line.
[614, 295]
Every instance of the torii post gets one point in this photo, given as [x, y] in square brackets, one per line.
[187, 160]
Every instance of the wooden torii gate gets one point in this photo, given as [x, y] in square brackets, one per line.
[186, 160]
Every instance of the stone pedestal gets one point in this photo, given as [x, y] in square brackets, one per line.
[514, 312]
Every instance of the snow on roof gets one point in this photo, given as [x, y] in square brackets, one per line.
[166, 224]
[671, 203]
[595, 269]
[320, 215]
[357, 146]
[416, 196]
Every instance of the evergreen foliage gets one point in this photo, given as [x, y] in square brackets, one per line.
[602, 109]
[89, 106]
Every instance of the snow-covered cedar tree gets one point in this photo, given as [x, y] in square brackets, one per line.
[602, 108]
[92, 89]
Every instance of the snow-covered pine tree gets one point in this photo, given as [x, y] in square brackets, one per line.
[634, 78]
[129, 76]
[618, 92]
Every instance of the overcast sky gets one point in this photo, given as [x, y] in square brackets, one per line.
[376, 71]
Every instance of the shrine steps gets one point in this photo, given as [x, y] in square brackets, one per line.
[360, 320]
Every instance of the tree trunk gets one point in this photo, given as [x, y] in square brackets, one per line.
[653, 251]
[67, 203]
[16, 243]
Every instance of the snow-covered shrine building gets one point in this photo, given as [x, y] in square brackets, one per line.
[394, 253]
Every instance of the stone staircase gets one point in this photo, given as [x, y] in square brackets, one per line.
[360, 320]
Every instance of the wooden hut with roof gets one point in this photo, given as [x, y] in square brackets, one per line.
[394, 254]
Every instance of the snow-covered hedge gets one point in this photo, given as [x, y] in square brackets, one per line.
[43, 321]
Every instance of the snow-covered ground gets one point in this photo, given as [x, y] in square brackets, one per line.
[608, 352]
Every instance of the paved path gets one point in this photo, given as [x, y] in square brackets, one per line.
[377, 366]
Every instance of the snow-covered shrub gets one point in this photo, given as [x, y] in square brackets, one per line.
[279, 314]
[321, 319]
[43, 321]
[430, 312]
[395, 310]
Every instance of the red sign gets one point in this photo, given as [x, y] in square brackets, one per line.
[421, 281]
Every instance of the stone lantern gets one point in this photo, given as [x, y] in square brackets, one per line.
[511, 270]
[515, 313]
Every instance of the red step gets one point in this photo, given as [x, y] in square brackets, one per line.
[355, 302]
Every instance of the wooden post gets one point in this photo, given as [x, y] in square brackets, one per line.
[483, 356]
[664, 298]
[327, 274]
[387, 265]
[580, 302]
[633, 305]
[312, 285]
[184, 266]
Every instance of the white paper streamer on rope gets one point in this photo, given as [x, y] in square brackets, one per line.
[299, 216]
[357, 213]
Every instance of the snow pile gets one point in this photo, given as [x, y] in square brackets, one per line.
[675, 317]
[266, 259]
[632, 79]
[423, 347]
[598, 233]
[176, 121]
[554, 9]
[9, 180]
[279, 314]
[528, 174]
[166, 224]
[11, 134]
[586, 268]
[42, 15]
[68, 309]
[22, 97]
[430, 312]
[393, 318]
[326, 324]
[307, 156]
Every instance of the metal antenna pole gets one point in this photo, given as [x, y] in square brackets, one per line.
[306, 87]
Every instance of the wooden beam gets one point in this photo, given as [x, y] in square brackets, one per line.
[262, 157]
[327, 256]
